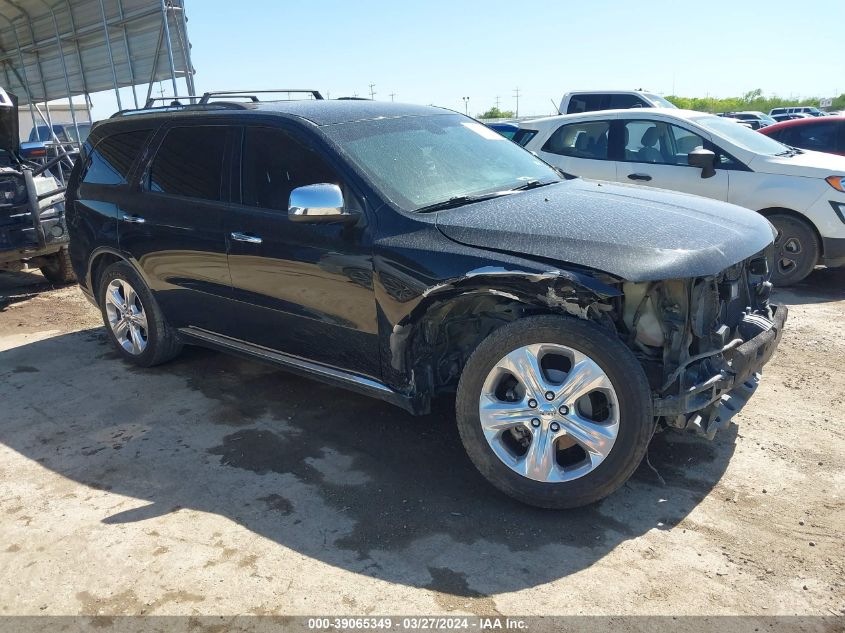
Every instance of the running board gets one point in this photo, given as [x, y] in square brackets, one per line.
[295, 364]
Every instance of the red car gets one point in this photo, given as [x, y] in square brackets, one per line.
[820, 134]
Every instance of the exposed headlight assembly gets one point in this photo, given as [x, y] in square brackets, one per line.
[12, 190]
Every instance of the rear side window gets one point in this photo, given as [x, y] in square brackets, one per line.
[580, 140]
[189, 163]
[110, 161]
[585, 103]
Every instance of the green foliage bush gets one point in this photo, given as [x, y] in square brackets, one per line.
[753, 100]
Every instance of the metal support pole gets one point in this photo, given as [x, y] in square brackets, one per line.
[186, 49]
[67, 78]
[155, 62]
[25, 83]
[78, 51]
[111, 57]
[128, 54]
[166, 21]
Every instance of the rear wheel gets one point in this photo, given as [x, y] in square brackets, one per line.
[133, 319]
[57, 268]
[554, 411]
[796, 250]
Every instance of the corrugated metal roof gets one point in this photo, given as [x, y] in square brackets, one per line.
[30, 53]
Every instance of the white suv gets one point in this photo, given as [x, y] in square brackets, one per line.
[801, 192]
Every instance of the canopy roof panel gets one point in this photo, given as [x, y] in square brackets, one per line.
[38, 66]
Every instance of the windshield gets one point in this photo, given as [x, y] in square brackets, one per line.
[423, 161]
[660, 102]
[742, 136]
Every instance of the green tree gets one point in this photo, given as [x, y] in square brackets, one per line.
[752, 100]
[495, 113]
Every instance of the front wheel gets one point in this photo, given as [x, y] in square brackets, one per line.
[796, 250]
[57, 267]
[554, 412]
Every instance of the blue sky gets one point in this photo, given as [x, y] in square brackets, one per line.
[439, 51]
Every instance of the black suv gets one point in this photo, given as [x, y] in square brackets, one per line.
[407, 252]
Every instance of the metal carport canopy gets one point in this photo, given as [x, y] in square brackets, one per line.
[53, 50]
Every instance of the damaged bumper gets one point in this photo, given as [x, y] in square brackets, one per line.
[709, 406]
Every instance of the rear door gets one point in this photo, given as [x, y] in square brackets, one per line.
[299, 288]
[172, 227]
[581, 149]
[654, 153]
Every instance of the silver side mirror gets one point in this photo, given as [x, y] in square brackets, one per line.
[317, 203]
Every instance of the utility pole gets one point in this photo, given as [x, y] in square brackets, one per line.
[392, 95]
[466, 105]
[516, 94]
[372, 92]
[497, 102]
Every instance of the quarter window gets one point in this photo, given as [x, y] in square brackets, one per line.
[190, 163]
[274, 164]
[110, 161]
[580, 140]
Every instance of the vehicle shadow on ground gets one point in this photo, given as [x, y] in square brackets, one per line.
[16, 287]
[335, 476]
[821, 286]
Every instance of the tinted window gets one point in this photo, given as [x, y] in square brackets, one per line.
[820, 137]
[190, 163]
[580, 140]
[619, 102]
[110, 161]
[521, 137]
[274, 164]
[585, 103]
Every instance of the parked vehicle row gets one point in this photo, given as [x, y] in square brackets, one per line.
[753, 119]
[800, 192]
[410, 252]
[819, 134]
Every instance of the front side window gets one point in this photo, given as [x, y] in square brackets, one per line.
[189, 163]
[109, 162]
[426, 160]
[659, 143]
[580, 140]
[274, 164]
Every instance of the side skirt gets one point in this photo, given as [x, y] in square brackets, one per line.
[309, 369]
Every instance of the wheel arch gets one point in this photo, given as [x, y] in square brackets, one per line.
[770, 211]
[430, 345]
[101, 259]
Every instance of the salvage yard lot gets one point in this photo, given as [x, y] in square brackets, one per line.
[216, 485]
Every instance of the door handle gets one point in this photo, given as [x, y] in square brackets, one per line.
[645, 177]
[245, 237]
[133, 219]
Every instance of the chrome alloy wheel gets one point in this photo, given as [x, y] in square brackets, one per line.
[127, 317]
[549, 412]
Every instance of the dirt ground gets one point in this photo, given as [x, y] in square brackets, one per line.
[214, 485]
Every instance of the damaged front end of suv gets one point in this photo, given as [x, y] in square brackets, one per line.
[703, 342]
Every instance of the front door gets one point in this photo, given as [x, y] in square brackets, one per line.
[654, 154]
[173, 228]
[302, 289]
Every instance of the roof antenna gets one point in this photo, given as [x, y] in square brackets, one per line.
[554, 105]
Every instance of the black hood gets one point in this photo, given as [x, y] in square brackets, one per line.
[635, 233]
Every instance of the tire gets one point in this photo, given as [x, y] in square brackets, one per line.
[796, 250]
[57, 268]
[146, 341]
[633, 413]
